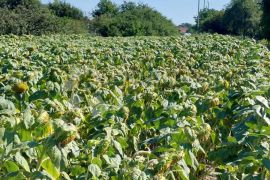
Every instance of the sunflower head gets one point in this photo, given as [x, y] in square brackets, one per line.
[20, 87]
[215, 102]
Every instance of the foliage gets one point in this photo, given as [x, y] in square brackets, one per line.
[24, 18]
[266, 18]
[72, 26]
[11, 4]
[78, 107]
[105, 7]
[130, 20]
[211, 21]
[64, 9]
[242, 17]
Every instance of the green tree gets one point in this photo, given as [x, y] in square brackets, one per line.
[64, 9]
[242, 17]
[23, 20]
[211, 21]
[105, 7]
[266, 18]
[31, 17]
[128, 5]
[11, 4]
[132, 19]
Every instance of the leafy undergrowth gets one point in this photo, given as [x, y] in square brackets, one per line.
[77, 107]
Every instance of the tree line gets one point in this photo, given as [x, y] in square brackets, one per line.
[31, 17]
[108, 19]
[241, 17]
[249, 18]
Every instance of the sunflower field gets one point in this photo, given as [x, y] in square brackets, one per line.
[80, 107]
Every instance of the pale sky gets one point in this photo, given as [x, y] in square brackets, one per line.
[179, 11]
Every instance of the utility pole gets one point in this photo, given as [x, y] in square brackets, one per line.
[204, 4]
[208, 4]
[198, 18]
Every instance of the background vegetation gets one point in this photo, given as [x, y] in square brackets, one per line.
[266, 18]
[248, 18]
[130, 19]
[31, 17]
[240, 17]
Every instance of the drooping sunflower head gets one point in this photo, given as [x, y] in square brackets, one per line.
[21, 87]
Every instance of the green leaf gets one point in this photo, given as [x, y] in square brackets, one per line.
[55, 155]
[97, 161]
[118, 92]
[6, 107]
[191, 160]
[266, 163]
[39, 175]
[262, 100]
[28, 119]
[117, 145]
[2, 136]
[22, 161]
[266, 119]
[49, 167]
[183, 170]
[77, 170]
[14, 176]
[65, 176]
[113, 162]
[94, 170]
[137, 174]
[25, 135]
[38, 95]
[11, 166]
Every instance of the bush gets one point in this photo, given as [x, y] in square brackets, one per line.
[211, 21]
[72, 26]
[132, 20]
[105, 7]
[12, 4]
[22, 20]
[63, 9]
[37, 20]
[242, 17]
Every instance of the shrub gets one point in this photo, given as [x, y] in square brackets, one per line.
[211, 21]
[22, 20]
[63, 9]
[132, 20]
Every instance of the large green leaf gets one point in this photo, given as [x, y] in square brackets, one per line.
[94, 170]
[49, 167]
[22, 161]
[266, 163]
[28, 119]
[11, 166]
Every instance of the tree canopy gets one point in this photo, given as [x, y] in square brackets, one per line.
[211, 21]
[266, 18]
[105, 7]
[64, 9]
[31, 17]
[242, 17]
[130, 19]
[11, 4]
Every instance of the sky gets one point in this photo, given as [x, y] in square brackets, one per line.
[179, 11]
